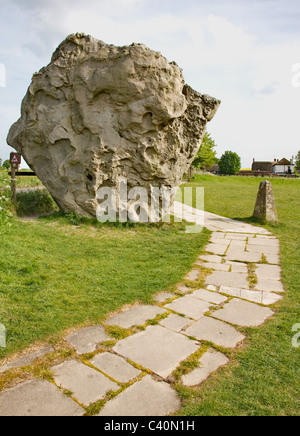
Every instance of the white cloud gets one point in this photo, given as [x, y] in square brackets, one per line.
[221, 51]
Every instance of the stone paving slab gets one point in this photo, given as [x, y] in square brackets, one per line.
[86, 384]
[243, 313]
[219, 241]
[212, 288]
[209, 363]
[218, 235]
[272, 272]
[237, 254]
[161, 298]
[176, 323]
[269, 285]
[115, 366]
[222, 278]
[215, 266]
[273, 259]
[237, 237]
[85, 340]
[156, 348]
[190, 306]
[238, 243]
[210, 297]
[37, 398]
[214, 258]
[266, 298]
[237, 267]
[183, 289]
[137, 315]
[215, 331]
[265, 242]
[193, 275]
[219, 249]
[26, 360]
[145, 398]
[216, 222]
[263, 249]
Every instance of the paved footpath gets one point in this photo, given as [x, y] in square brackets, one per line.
[243, 282]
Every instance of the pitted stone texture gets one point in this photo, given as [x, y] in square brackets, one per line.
[189, 306]
[144, 398]
[37, 398]
[221, 278]
[26, 360]
[243, 313]
[98, 114]
[137, 315]
[209, 363]
[157, 348]
[176, 323]
[85, 340]
[86, 384]
[217, 332]
[116, 367]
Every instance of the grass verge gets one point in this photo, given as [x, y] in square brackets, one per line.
[263, 378]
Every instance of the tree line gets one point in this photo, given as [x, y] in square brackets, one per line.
[229, 163]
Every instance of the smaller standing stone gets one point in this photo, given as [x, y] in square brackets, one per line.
[265, 208]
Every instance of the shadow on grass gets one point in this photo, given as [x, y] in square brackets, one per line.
[75, 220]
[35, 202]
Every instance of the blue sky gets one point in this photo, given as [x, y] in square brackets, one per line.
[240, 51]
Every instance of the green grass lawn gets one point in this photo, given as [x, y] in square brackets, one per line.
[264, 377]
[55, 275]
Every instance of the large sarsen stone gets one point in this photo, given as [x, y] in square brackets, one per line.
[98, 114]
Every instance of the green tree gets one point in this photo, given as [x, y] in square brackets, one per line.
[230, 163]
[298, 161]
[6, 164]
[206, 155]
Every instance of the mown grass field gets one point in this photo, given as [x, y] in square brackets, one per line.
[57, 273]
[263, 378]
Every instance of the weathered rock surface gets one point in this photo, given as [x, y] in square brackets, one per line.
[98, 114]
[265, 207]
